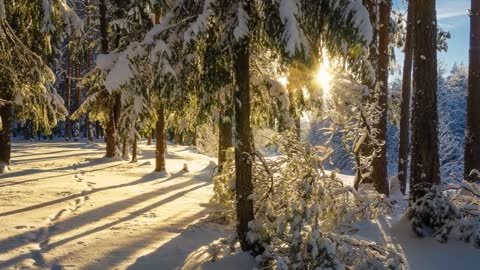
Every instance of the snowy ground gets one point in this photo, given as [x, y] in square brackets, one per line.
[63, 206]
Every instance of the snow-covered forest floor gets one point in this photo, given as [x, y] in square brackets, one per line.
[64, 206]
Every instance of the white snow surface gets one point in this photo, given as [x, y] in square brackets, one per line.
[64, 206]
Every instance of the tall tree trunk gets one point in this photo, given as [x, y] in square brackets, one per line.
[243, 140]
[225, 134]
[472, 137]
[5, 138]
[68, 85]
[111, 135]
[149, 137]
[77, 103]
[88, 60]
[98, 130]
[379, 161]
[405, 102]
[125, 150]
[178, 138]
[194, 137]
[161, 140]
[111, 139]
[424, 167]
[134, 149]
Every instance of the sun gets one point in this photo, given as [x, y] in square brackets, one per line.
[324, 78]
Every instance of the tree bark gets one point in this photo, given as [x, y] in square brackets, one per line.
[111, 135]
[243, 142]
[472, 137]
[194, 137]
[424, 167]
[134, 149]
[225, 135]
[111, 139]
[88, 60]
[379, 161]
[149, 137]
[125, 146]
[374, 170]
[405, 102]
[77, 102]
[68, 85]
[161, 140]
[5, 138]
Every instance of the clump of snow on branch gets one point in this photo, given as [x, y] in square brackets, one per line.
[241, 29]
[201, 23]
[47, 14]
[280, 92]
[293, 35]
[73, 23]
[355, 11]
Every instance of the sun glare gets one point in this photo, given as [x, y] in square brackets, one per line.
[324, 78]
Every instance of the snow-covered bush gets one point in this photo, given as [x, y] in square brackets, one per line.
[431, 212]
[448, 212]
[300, 210]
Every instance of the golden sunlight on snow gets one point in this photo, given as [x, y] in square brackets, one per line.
[324, 78]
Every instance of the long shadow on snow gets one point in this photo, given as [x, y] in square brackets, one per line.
[174, 253]
[157, 234]
[89, 163]
[73, 167]
[93, 216]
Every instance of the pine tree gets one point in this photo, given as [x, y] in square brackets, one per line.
[68, 96]
[379, 162]
[405, 101]
[424, 167]
[472, 134]
[31, 35]
[243, 132]
[371, 158]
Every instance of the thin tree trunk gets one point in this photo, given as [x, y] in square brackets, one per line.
[111, 139]
[134, 149]
[178, 138]
[243, 143]
[111, 135]
[472, 137]
[194, 137]
[405, 102]
[77, 103]
[424, 167]
[68, 85]
[149, 137]
[161, 141]
[225, 135]
[379, 161]
[98, 130]
[5, 138]
[125, 150]
[88, 59]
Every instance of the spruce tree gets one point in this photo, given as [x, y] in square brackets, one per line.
[472, 134]
[405, 101]
[424, 167]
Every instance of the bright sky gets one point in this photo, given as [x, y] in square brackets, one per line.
[452, 16]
